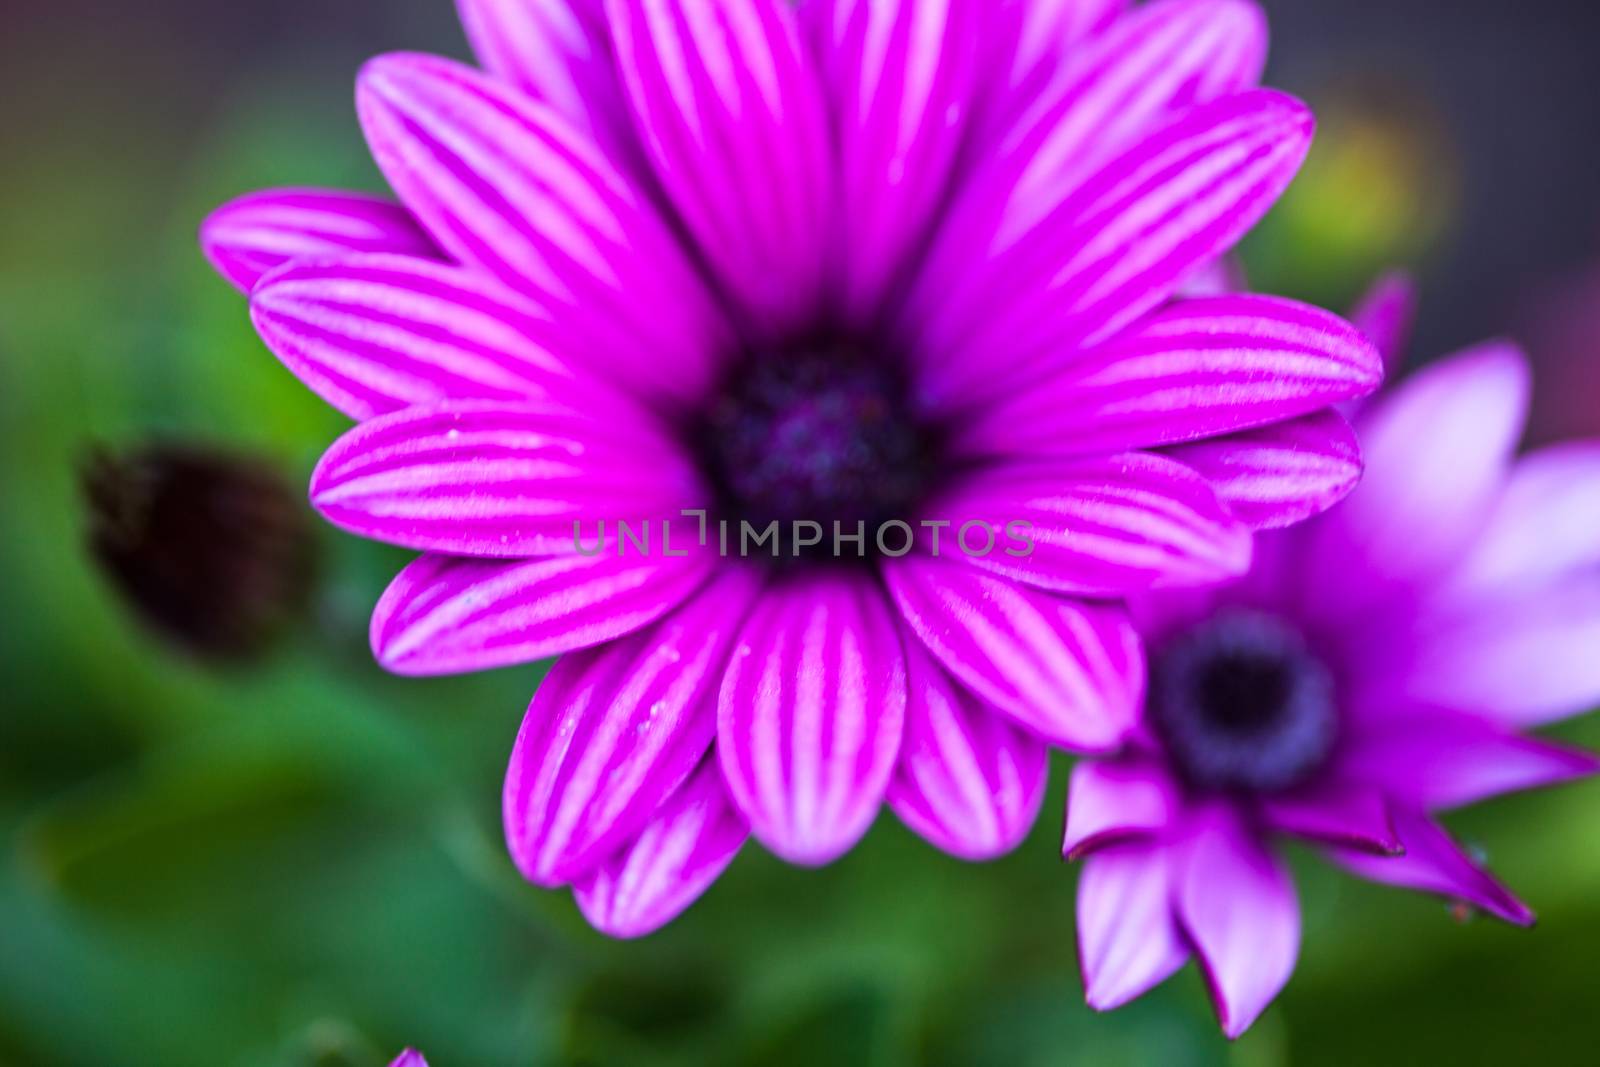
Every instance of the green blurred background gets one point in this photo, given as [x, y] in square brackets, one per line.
[296, 860]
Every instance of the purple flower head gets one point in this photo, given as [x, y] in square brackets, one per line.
[410, 1058]
[897, 276]
[1376, 666]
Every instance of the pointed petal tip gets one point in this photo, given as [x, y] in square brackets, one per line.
[1128, 941]
[617, 923]
[1395, 288]
[1499, 902]
[1370, 371]
[1503, 905]
[1104, 1001]
[1298, 115]
[1386, 312]
[388, 83]
[810, 854]
[968, 781]
[211, 237]
[388, 70]
[1286, 119]
[689, 842]
[1231, 553]
[811, 715]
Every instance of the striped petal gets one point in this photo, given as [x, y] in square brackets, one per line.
[1433, 863]
[477, 479]
[1238, 906]
[1071, 672]
[1113, 250]
[731, 113]
[1128, 941]
[811, 715]
[1196, 370]
[375, 334]
[1039, 36]
[1109, 803]
[556, 51]
[1107, 526]
[445, 615]
[1282, 474]
[1142, 72]
[251, 237]
[613, 731]
[681, 851]
[902, 78]
[968, 781]
[508, 187]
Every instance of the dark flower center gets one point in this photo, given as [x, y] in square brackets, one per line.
[817, 433]
[1241, 703]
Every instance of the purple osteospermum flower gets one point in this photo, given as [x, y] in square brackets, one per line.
[856, 262]
[1375, 667]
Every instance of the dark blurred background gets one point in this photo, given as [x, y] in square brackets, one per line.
[272, 855]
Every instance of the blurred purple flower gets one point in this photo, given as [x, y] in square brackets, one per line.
[410, 1058]
[1377, 665]
[855, 262]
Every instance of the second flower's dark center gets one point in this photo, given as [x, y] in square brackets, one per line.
[1241, 703]
[821, 433]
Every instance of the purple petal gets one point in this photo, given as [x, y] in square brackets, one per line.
[1344, 813]
[375, 334]
[612, 731]
[1072, 672]
[556, 51]
[1198, 369]
[479, 479]
[1523, 660]
[1094, 263]
[1038, 38]
[968, 781]
[731, 112]
[1434, 864]
[445, 615]
[1238, 906]
[1102, 526]
[1280, 475]
[811, 714]
[410, 1058]
[1439, 760]
[1543, 528]
[1109, 803]
[1386, 314]
[256, 234]
[902, 77]
[1437, 451]
[1223, 276]
[685, 847]
[1143, 71]
[510, 188]
[1128, 942]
